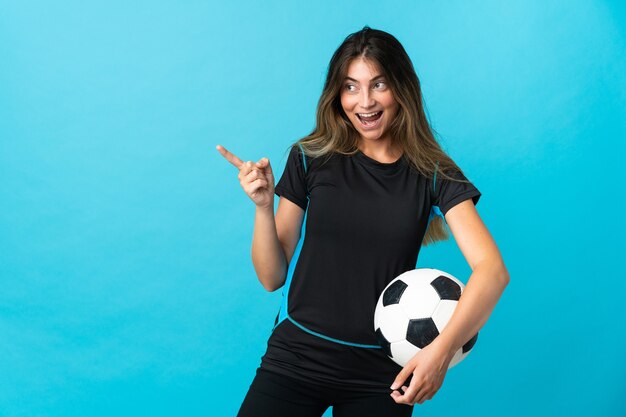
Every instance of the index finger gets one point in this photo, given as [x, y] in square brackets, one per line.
[230, 157]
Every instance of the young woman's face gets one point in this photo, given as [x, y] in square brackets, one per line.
[367, 100]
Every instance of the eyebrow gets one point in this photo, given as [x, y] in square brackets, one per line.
[373, 79]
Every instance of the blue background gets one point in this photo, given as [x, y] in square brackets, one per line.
[126, 284]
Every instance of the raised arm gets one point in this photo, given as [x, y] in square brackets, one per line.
[274, 237]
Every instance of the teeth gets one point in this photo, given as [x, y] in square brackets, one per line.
[367, 114]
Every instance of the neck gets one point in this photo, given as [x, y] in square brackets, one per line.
[381, 151]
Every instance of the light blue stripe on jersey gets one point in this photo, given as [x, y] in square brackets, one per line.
[282, 314]
[330, 338]
[434, 210]
[303, 158]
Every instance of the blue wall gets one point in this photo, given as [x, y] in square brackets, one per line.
[126, 281]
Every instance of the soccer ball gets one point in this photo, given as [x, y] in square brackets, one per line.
[413, 309]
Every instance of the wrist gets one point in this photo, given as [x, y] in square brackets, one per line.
[269, 209]
[445, 346]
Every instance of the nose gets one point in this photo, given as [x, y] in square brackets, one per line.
[365, 99]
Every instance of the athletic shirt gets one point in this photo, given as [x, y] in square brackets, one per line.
[363, 226]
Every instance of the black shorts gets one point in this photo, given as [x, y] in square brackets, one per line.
[275, 395]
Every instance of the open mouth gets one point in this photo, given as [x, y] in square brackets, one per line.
[370, 119]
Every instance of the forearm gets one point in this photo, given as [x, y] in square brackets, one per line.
[268, 256]
[483, 290]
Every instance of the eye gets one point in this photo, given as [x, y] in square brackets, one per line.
[380, 85]
[349, 86]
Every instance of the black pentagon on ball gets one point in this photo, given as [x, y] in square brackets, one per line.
[470, 344]
[383, 342]
[421, 332]
[446, 288]
[394, 292]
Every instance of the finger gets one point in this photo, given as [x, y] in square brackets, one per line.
[267, 170]
[230, 157]
[400, 393]
[401, 378]
[252, 181]
[408, 396]
[421, 395]
[410, 391]
[410, 400]
[398, 398]
[264, 165]
[246, 168]
[256, 184]
[254, 173]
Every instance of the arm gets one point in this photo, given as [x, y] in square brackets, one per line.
[274, 241]
[486, 283]
[485, 286]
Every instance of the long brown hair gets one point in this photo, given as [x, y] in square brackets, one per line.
[410, 128]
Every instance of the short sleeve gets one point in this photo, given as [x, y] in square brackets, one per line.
[449, 193]
[292, 183]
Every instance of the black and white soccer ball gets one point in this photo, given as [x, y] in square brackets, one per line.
[413, 309]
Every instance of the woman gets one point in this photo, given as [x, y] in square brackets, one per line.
[366, 184]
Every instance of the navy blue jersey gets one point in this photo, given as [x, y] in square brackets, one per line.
[363, 226]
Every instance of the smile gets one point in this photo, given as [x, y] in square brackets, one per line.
[370, 120]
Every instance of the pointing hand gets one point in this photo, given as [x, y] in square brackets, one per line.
[257, 179]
